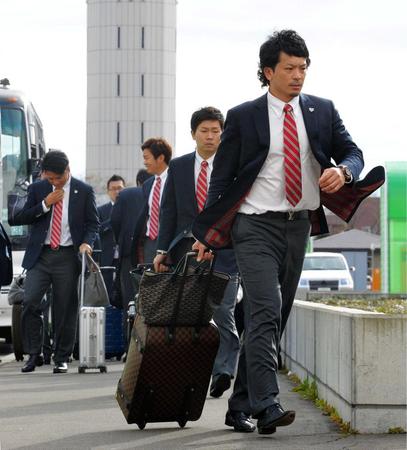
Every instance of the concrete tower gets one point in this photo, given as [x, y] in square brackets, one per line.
[131, 84]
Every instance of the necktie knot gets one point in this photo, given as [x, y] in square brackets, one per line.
[287, 108]
[204, 164]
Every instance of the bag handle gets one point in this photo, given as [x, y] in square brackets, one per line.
[91, 263]
[87, 263]
[183, 264]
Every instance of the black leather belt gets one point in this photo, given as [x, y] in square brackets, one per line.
[288, 215]
[60, 248]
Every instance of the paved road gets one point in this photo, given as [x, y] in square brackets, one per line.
[70, 411]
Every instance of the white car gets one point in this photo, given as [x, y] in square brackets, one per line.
[324, 272]
[5, 308]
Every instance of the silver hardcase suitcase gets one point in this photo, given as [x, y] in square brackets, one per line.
[92, 322]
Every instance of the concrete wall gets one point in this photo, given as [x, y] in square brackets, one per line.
[357, 358]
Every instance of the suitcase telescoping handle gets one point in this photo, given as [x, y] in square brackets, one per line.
[83, 270]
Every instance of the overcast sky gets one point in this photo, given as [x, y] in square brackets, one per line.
[357, 48]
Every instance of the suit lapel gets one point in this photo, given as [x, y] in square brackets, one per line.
[309, 113]
[190, 182]
[147, 187]
[261, 120]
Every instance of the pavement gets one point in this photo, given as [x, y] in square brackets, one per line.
[44, 411]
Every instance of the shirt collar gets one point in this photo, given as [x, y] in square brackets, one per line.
[277, 106]
[200, 159]
[163, 175]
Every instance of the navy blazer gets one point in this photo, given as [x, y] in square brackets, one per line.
[179, 209]
[6, 262]
[106, 241]
[244, 148]
[129, 218]
[82, 217]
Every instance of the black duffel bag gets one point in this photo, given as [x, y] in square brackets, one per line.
[184, 297]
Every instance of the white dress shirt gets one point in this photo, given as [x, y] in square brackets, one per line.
[163, 177]
[268, 190]
[66, 238]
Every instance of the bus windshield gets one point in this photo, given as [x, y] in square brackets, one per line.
[14, 154]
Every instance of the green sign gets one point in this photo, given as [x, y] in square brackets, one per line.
[394, 228]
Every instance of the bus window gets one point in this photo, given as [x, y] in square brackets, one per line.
[13, 151]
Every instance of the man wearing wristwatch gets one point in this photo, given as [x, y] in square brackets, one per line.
[282, 158]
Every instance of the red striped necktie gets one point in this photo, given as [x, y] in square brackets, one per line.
[202, 186]
[155, 210]
[56, 225]
[292, 158]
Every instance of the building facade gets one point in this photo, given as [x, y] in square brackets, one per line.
[130, 84]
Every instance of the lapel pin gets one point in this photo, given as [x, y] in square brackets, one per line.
[75, 191]
[311, 109]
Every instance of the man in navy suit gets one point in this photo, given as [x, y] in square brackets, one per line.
[266, 192]
[125, 213]
[106, 243]
[157, 154]
[183, 198]
[63, 217]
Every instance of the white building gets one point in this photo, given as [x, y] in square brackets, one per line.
[131, 84]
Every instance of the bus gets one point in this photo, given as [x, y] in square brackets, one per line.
[22, 146]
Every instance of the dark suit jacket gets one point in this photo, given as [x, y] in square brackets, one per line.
[178, 206]
[82, 217]
[106, 241]
[129, 218]
[179, 209]
[244, 148]
[6, 262]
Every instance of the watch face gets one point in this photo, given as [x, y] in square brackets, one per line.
[346, 173]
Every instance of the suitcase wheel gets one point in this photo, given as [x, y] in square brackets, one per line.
[182, 423]
[141, 424]
[81, 369]
[103, 369]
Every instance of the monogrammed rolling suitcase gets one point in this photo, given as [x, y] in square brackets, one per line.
[92, 321]
[167, 373]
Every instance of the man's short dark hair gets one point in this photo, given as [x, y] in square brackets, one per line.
[287, 41]
[206, 113]
[157, 147]
[55, 161]
[115, 178]
[142, 176]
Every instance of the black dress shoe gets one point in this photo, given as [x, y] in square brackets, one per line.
[272, 417]
[220, 385]
[61, 367]
[240, 421]
[32, 363]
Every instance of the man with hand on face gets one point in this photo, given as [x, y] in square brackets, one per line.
[64, 220]
[265, 195]
[184, 198]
